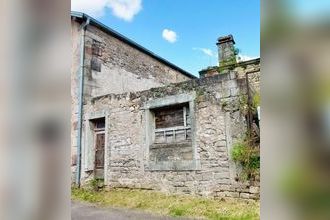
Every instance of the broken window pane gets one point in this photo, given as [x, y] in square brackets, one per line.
[172, 124]
[96, 64]
[98, 123]
[169, 117]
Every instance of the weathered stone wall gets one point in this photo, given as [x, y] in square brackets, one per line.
[250, 67]
[123, 69]
[226, 49]
[218, 123]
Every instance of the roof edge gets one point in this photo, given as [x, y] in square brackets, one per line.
[130, 42]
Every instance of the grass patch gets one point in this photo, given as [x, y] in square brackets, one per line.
[172, 205]
[177, 211]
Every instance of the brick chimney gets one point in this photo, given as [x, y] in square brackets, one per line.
[226, 49]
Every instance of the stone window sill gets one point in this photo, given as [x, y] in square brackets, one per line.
[171, 145]
[182, 165]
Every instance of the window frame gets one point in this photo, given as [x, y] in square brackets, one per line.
[96, 48]
[174, 129]
[149, 125]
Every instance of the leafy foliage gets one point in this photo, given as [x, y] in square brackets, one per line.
[230, 63]
[255, 101]
[96, 184]
[249, 158]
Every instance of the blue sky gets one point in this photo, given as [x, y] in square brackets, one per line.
[192, 26]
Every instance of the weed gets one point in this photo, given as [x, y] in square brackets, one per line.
[247, 156]
[172, 205]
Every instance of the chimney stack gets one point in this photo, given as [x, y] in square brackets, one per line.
[226, 50]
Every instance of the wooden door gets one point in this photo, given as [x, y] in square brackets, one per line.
[99, 150]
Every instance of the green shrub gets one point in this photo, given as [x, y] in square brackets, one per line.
[248, 157]
[96, 184]
[230, 63]
[255, 101]
[238, 152]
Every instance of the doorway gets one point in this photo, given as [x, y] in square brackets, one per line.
[99, 145]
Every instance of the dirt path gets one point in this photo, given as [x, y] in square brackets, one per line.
[84, 211]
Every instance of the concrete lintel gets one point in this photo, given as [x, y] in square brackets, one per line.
[91, 35]
[97, 114]
[170, 100]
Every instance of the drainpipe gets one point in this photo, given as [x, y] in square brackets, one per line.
[80, 98]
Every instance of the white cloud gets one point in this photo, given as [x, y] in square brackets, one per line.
[243, 57]
[206, 51]
[124, 9]
[169, 35]
[94, 8]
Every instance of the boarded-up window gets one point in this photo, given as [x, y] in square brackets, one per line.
[96, 48]
[172, 124]
[96, 64]
[169, 117]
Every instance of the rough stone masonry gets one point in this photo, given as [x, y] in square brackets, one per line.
[163, 130]
[206, 168]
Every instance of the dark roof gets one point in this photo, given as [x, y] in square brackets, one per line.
[130, 42]
[224, 39]
[252, 61]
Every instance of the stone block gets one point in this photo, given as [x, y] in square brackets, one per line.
[254, 196]
[231, 84]
[254, 189]
[207, 175]
[223, 181]
[223, 175]
[227, 194]
[244, 195]
[234, 92]
[225, 188]
[233, 75]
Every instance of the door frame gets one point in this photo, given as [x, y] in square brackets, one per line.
[88, 145]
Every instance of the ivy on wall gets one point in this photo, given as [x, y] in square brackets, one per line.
[246, 152]
[248, 156]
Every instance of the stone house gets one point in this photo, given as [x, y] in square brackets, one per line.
[139, 121]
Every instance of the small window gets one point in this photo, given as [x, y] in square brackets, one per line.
[96, 48]
[172, 124]
[96, 64]
[98, 124]
[169, 117]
